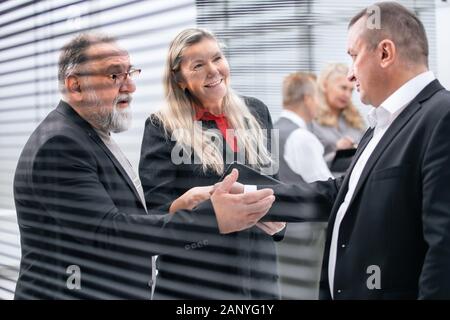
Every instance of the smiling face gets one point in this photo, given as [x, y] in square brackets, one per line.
[205, 73]
[365, 70]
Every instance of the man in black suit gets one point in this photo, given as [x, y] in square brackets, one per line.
[85, 231]
[388, 234]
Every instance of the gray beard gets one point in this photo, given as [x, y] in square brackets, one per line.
[115, 120]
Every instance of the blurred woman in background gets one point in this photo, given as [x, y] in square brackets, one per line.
[338, 124]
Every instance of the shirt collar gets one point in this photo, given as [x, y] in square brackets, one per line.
[396, 102]
[104, 135]
[202, 113]
[288, 114]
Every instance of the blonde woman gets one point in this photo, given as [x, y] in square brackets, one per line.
[338, 124]
[179, 163]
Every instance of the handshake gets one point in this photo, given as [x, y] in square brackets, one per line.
[234, 209]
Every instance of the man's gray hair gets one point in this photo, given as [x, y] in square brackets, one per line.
[401, 26]
[296, 86]
[74, 54]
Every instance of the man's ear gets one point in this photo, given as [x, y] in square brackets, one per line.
[72, 84]
[387, 52]
[73, 87]
[307, 99]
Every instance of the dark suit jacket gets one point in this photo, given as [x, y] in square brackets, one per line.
[237, 266]
[77, 206]
[398, 221]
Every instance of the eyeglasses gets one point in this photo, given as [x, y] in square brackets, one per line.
[120, 78]
[117, 78]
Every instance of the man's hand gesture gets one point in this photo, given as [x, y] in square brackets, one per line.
[236, 212]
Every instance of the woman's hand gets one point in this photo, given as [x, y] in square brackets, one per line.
[271, 227]
[191, 198]
[345, 143]
[237, 188]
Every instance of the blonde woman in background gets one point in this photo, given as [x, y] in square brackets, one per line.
[338, 124]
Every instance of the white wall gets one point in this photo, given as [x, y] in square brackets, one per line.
[443, 41]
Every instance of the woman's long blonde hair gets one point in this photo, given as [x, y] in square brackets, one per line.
[324, 115]
[178, 113]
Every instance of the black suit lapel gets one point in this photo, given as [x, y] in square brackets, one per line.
[343, 190]
[117, 164]
[341, 195]
[337, 203]
[67, 111]
[387, 138]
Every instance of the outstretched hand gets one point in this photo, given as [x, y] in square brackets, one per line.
[236, 212]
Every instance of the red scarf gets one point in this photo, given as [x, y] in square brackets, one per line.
[222, 124]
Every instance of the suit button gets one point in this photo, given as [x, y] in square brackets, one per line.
[150, 283]
[343, 246]
[339, 291]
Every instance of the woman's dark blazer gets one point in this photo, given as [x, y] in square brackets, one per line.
[240, 265]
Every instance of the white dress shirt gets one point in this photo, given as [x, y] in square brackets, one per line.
[379, 118]
[303, 152]
[120, 156]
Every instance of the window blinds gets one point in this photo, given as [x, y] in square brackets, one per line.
[265, 40]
